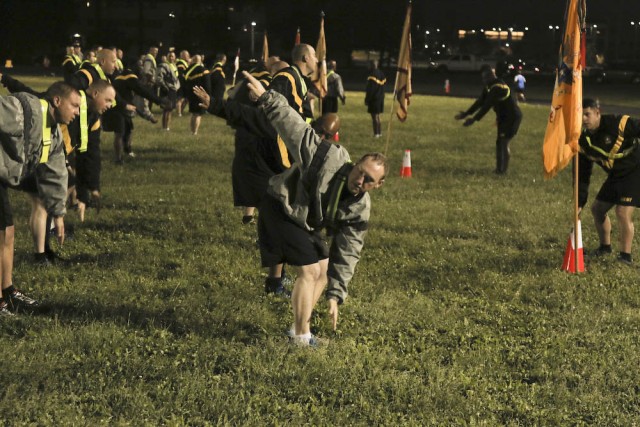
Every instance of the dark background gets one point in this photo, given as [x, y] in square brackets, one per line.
[30, 29]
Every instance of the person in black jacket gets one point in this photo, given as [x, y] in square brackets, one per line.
[374, 97]
[497, 95]
[119, 119]
[611, 142]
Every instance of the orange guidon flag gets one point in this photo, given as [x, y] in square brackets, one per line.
[565, 119]
[265, 49]
[320, 78]
[402, 88]
[297, 40]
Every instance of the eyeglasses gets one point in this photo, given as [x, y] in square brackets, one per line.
[368, 179]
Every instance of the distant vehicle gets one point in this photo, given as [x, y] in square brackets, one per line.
[464, 62]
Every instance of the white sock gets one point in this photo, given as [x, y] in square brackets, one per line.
[303, 338]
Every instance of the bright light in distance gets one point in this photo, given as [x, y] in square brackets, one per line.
[551, 27]
[253, 23]
[427, 32]
[426, 46]
[172, 15]
[507, 44]
[526, 28]
[88, 4]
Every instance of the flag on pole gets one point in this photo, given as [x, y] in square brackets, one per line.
[320, 78]
[265, 49]
[402, 89]
[297, 41]
[565, 118]
[236, 66]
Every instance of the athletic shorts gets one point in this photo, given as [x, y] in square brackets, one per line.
[622, 192]
[6, 214]
[29, 184]
[283, 241]
[116, 120]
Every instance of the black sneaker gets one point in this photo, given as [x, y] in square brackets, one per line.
[42, 260]
[625, 260]
[4, 310]
[601, 252]
[275, 286]
[19, 301]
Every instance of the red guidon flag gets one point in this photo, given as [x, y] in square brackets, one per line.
[402, 88]
[565, 118]
[320, 78]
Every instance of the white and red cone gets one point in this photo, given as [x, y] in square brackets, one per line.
[405, 172]
[569, 263]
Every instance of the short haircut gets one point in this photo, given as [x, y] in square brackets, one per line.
[99, 86]
[299, 51]
[221, 57]
[378, 158]
[591, 103]
[103, 54]
[61, 90]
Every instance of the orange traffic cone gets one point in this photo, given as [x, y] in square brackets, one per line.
[336, 137]
[569, 262]
[447, 87]
[405, 172]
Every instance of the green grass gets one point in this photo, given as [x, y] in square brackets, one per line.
[458, 312]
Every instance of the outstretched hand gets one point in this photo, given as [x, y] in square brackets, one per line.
[333, 312]
[468, 122]
[255, 87]
[203, 96]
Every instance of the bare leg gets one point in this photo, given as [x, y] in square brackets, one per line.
[601, 220]
[625, 223]
[118, 147]
[6, 255]
[302, 298]
[38, 223]
[195, 123]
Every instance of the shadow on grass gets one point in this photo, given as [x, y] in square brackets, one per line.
[177, 320]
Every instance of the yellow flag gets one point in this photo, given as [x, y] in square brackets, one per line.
[265, 49]
[402, 88]
[565, 118]
[320, 78]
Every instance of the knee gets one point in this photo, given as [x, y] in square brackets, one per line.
[599, 214]
[310, 273]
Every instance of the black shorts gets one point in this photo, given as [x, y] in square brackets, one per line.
[29, 184]
[171, 96]
[623, 191]
[283, 241]
[118, 121]
[6, 214]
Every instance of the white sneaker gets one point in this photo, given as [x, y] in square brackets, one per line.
[131, 154]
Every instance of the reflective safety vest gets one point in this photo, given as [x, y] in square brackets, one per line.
[152, 59]
[84, 124]
[46, 132]
[501, 86]
[174, 68]
[614, 154]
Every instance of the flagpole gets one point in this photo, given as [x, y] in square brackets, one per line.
[393, 100]
[576, 210]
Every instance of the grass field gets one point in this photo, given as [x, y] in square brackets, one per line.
[458, 313]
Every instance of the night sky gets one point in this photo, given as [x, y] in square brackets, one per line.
[373, 24]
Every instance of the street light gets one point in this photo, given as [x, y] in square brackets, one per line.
[253, 27]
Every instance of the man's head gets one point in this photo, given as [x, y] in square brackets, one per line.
[119, 54]
[488, 74]
[368, 173]
[153, 50]
[101, 96]
[304, 56]
[107, 60]
[373, 64]
[327, 125]
[69, 50]
[270, 61]
[185, 55]
[276, 66]
[196, 59]
[331, 65]
[171, 57]
[77, 49]
[221, 58]
[91, 56]
[591, 114]
[65, 101]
